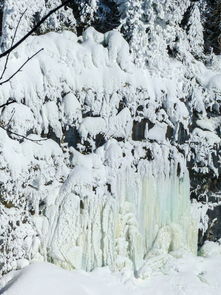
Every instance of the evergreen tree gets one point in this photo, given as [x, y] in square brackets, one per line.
[135, 30]
[195, 31]
[103, 15]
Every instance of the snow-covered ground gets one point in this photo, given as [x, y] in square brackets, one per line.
[172, 274]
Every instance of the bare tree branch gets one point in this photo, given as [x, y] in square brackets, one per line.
[13, 112]
[34, 28]
[7, 103]
[19, 69]
[13, 40]
[22, 136]
[7, 53]
[6, 128]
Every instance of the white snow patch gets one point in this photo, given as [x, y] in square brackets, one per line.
[174, 274]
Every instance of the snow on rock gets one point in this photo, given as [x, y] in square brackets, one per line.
[215, 83]
[92, 126]
[19, 118]
[50, 118]
[72, 108]
[121, 124]
[92, 40]
[210, 249]
[210, 137]
[210, 124]
[118, 50]
[158, 132]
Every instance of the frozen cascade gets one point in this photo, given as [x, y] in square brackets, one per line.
[150, 215]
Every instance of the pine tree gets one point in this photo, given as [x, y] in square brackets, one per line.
[103, 15]
[134, 30]
[195, 31]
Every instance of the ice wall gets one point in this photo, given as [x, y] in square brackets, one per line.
[143, 213]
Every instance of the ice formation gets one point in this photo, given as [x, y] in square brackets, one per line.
[100, 150]
[146, 210]
[105, 207]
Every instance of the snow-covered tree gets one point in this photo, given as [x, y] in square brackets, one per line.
[195, 31]
[101, 14]
[134, 28]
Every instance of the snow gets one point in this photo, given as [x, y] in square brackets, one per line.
[36, 10]
[92, 126]
[158, 132]
[118, 50]
[104, 205]
[50, 116]
[72, 108]
[172, 274]
[215, 82]
[210, 124]
[120, 125]
[210, 137]
[114, 201]
[18, 118]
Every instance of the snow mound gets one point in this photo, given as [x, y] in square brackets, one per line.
[174, 274]
[215, 82]
[45, 279]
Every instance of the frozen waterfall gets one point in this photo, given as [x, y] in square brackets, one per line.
[143, 213]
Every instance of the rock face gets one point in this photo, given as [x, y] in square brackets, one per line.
[110, 136]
